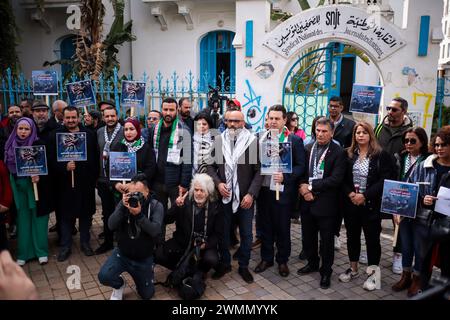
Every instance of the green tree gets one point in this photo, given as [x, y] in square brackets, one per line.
[9, 37]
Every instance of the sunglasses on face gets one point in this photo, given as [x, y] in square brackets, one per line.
[410, 141]
[442, 145]
[394, 110]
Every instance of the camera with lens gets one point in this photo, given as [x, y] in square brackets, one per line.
[135, 199]
[199, 238]
[215, 99]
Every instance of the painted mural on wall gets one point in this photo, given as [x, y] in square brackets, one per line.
[253, 109]
[376, 35]
[411, 74]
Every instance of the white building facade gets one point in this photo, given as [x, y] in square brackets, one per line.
[231, 35]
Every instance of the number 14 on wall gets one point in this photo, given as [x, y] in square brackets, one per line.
[248, 63]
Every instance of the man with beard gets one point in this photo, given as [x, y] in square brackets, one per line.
[7, 126]
[79, 201]
[184, 112]
[237, 175]
[26, 106]
[40, 116]
[108, 137]
[172, 143]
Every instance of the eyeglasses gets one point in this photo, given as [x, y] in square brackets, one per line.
[442, 145]
[233, 120]
[410, 141]
[394, 110]
[334, 106]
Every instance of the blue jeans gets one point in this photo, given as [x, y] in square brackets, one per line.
[140, 271]
[413, 234]
[245, 218]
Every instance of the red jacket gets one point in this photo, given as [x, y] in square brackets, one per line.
[6, 196]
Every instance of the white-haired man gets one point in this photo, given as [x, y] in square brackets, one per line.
[199, 221]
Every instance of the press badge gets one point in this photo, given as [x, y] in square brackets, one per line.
[173, 155]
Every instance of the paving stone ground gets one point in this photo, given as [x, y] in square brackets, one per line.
[51, 279]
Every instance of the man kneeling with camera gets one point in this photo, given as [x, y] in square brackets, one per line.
[137, 220]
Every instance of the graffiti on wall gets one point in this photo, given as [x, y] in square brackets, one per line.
[411, 74]
[422, 104]
[252, 108]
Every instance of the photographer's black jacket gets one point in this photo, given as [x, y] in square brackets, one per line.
[126, 224]
[182, 216]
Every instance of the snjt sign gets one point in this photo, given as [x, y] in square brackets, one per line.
[377, 36]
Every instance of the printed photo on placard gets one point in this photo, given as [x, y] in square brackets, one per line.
[400, 198]
[365, 99]
[71, 146]
[80, 93]
[31, 161]
[133, 94]
[122, 166]
[276, 157]
[45, 82]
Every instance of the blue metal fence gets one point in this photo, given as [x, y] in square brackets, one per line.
[13, 89]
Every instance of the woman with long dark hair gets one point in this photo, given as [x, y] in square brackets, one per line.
[412, 232]
[368, 167]
[292, 125]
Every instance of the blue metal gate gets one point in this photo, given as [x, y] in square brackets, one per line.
[309, 84]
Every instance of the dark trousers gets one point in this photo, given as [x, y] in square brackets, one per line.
[67, 223]
[245, 220]
[108, 206]
[3, 237]
[312, 225]
[169, 254]
[444, 259]
[140, 271]
[163, 194]
[275, 224]
[358, 219]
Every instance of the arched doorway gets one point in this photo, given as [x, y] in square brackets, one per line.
[67, 51]
[321, 71]
[217, 61]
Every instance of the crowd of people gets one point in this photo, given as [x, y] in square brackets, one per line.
[203, 173]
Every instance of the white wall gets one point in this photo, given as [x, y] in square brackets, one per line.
[37, 46]
[418, 87]
[176, 49]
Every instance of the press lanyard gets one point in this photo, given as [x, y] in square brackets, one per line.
[320, 165]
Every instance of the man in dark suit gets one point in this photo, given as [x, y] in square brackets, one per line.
[343, 127]
[236, 174]
[275, 215]
[320, 190]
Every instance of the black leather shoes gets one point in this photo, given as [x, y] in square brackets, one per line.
[246, 275]
[283, 270]
[64, 254]
[325, 281]
[308, 269]
[262, 266]
[87, 250]
[221, 271]
[104, 247]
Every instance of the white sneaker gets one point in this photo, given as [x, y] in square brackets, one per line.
[117, 294]
[337, 243]
[397, 263]
[21, 262]
[43, 260]
[363, 258]
[348, 275]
